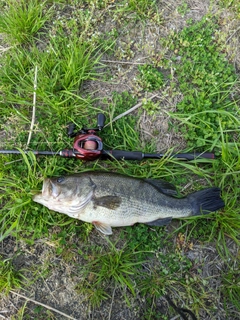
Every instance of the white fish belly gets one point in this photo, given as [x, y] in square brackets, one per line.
[128, 214]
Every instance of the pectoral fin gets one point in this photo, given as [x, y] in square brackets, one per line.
[103, 227]
[109, 202]
[159, 222]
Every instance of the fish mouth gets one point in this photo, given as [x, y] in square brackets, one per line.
[49, 189]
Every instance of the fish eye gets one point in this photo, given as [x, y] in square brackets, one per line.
[60, 179]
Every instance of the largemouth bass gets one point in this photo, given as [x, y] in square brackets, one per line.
[114, 200]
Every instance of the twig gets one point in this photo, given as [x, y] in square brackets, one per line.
[4, 311]
[48, 288]
[110, 311]
[2, 49]
[233, 34]
[34, 107]
[129, 111]
[123, 62]
[43, 305]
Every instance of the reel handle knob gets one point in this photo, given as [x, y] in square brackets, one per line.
[70, 130]
[100, 121]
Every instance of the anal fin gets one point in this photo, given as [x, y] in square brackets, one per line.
[159, 222]
[103, 227]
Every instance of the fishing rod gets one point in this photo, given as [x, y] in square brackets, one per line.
[88, 146]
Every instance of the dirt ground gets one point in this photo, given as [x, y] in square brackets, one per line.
[56, 287]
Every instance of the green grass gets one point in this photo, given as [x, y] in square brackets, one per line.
[21, 21]
[150, 78]
[9, 277]
[140, 261]
[207, 81]
[113, 267]
[144, 9]
[62, 67]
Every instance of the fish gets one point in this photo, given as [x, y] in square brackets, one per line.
[108, 200]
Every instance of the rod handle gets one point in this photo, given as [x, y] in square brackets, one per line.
[195, 155]
[123, 155]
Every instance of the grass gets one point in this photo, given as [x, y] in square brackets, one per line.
[150, 78]
[139, 262]
[9, 277]
[22, 21]
[113, 267]
[206, 80]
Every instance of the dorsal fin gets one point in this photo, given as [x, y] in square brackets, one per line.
[163, 186]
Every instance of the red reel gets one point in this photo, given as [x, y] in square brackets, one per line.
[87, 154]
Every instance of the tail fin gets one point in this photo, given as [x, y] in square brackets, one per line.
[206, 201]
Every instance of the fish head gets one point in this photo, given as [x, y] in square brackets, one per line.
[65, 194]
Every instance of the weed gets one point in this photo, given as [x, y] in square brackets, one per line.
[144, 238]
[230, 286]
[233, 5]
[150, 78]
[183, 8]
[95, 294]
[151, 107]
[9, 277]
[121, 134]
[143, 9]
[116, 266]
[21, 22]
[206, 80]
[57, 81]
